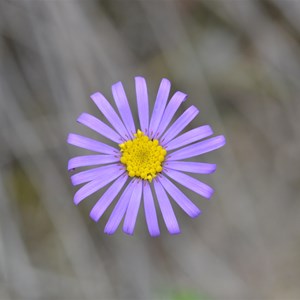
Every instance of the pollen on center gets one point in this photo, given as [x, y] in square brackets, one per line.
[142, 156]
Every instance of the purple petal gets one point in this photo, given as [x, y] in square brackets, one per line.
[150, 211]
[191, 183]
[100, 127]
[90, 144]
[119, 210]
[166, 209]
[189, 137]
[133, 208]
[159, 106]
[123, 107]
[192, 167]
[170, 111]
[107, 198]
[95, 185]
[110, 114]
[142, 103]
[182, 200]
[179, 124]
[96, 173]
[198, 148]
[91, 160]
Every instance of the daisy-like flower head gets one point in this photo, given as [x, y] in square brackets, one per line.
[146, 160]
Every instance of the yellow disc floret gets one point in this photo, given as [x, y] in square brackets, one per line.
[142, 157]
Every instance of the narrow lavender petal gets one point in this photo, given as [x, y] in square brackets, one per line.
[191, 183]
[110, 114]
[166, 208]
[95, 185]
[159, 106]
[98, 126]
[150, 211]
[170, 111]
[119, 210]
[179, 124]
[107, 198]
[133, 208]
[191, 167]
[123, 107]
[91, 160]
[90, 144]
[96, 173]
[142, 103]
[198, 148]
[189, 137]
[179, 197]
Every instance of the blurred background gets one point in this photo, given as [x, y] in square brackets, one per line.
[239, 61]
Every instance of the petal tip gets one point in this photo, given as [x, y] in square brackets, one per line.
[212, 169]
[182, 95]
[210, 193]
[175, 231]
[81, 117]
[139, 78]
[108, 232]
[77, 199]
[208, 129]
[196, 214]
[194, 109]
[116, 85]
[128, 231]
[95, 95]
[154, 234]
[94, 216]
[70, 164]
[223, 140]
[74, 180]
[69, 138]
[166, 81]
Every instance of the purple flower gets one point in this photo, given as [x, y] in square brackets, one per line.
[146, 160]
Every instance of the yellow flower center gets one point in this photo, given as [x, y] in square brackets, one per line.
[143, 157]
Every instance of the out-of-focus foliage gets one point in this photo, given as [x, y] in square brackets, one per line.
[188, 295]
[239, 61]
